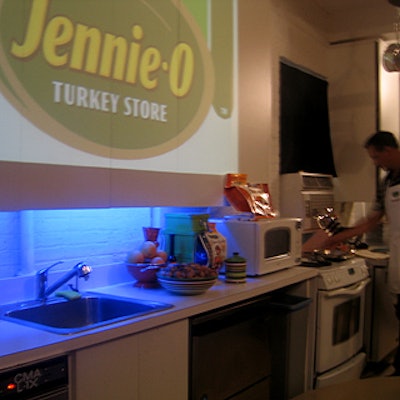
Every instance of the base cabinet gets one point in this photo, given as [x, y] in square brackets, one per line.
[146, 366]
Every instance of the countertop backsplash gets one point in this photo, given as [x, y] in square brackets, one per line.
[25, 287]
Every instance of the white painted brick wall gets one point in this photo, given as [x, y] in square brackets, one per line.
[96, 236]
[9, 246]
[31, 240]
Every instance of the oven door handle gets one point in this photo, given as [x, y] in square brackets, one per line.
[349, 290]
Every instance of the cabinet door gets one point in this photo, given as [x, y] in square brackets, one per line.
[164, 362]
[107, 371]
[148, 365]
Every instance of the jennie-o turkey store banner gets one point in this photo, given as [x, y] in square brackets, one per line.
[140, 84]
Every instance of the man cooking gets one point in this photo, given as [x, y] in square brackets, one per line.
[383, 149]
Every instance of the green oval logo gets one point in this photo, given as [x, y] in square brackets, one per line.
[114, 78]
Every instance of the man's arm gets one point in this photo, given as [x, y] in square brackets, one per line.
[365, 225]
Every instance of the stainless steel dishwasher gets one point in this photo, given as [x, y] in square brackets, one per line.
[244, 351]
[43, 380]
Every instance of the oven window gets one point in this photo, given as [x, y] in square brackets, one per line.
[346, 320]
[276, 242]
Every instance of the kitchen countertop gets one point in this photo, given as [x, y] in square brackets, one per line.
[21, 344]
[373, 257]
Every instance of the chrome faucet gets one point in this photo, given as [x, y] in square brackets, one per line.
[80, 270]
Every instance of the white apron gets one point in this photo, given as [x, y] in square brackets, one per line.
[392, 205]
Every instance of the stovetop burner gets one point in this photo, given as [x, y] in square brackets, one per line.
[314, 262]
[325, 258]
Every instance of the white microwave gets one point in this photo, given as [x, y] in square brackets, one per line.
[268, 245]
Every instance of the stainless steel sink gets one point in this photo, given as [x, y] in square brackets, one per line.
[72, 316]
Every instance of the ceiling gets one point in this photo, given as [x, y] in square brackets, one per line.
[344, 5]
[354, 19]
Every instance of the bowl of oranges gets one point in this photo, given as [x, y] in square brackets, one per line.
[144, 263]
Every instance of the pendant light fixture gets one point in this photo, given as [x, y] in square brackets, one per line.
[391, 56]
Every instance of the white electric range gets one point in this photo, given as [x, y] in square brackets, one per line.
[341, 305]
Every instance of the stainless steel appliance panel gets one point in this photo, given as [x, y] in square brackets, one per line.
[44, 380]
[254, 349]
[230, 353]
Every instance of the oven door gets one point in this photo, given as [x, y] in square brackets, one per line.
[340, 325]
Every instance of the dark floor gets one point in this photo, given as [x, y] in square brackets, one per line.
[383, 368]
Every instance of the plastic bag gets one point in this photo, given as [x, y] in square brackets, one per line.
[249, 197]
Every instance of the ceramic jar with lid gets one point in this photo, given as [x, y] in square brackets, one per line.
[235, 269]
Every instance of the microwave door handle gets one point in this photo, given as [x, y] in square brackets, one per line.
[350, 290]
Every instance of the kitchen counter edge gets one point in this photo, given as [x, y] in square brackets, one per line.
[20, 344]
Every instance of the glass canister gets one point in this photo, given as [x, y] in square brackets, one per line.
[235, 269]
